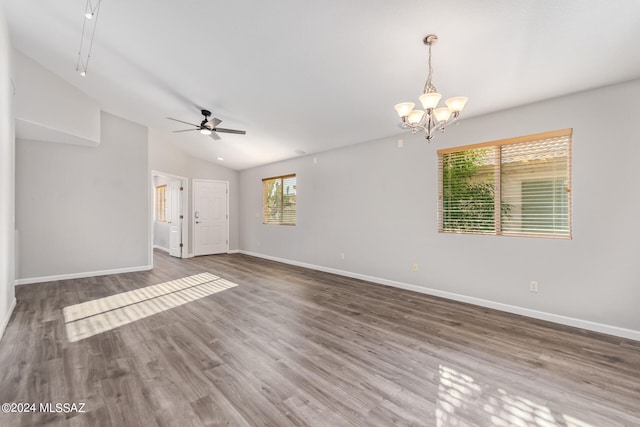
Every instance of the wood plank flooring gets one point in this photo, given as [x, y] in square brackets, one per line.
[293, 347]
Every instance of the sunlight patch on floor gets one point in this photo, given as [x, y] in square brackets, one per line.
[94, 317]
[459, 394]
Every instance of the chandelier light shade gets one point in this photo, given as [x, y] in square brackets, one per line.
[430, 119]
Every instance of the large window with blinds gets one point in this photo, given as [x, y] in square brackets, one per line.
[279, 200]
[516, 187]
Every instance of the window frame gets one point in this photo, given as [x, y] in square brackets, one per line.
[282, 179]
[498, 181]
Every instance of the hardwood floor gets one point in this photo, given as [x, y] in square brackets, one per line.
[291, 346]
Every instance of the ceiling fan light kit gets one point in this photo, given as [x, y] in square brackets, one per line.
[430, 119]
[208, 126]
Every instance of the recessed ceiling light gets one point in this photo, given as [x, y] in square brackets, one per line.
[220, 158]
[205, 131]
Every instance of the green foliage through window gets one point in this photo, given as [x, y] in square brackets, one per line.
[468, 191]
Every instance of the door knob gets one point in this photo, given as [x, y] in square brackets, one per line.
[197, 222]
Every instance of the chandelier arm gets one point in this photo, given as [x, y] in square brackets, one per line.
[453, 120]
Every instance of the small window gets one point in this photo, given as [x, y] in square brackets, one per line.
[279, 200]
[517, 187]
[161, 203]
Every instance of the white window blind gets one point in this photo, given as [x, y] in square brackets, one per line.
[518, 186]
[279, 200]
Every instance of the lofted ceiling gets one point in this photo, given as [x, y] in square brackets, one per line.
[305, 76]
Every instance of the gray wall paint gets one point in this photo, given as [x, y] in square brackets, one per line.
[83, 209]
[377, 204]
[40, 115]
[165, 157]
[7, 180]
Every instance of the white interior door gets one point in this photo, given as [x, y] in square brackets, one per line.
[210, 217]
[174, 217]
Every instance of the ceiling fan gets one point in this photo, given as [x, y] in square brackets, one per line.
[208, 126]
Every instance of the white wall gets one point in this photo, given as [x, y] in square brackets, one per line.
[7, 158]
[41, 116]
[82, 210]
[165, 157]
[377, 204]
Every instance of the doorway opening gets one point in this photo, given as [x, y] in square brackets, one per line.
[169, 224]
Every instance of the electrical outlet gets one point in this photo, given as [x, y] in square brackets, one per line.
[400, 143]
[533, 286]
[415, 267]
[341, 255]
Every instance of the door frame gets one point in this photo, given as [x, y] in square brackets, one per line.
[185, 211]
[193, 209]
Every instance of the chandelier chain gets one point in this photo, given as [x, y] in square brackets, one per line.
[428, 87]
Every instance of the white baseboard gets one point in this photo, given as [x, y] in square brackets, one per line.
[82, 275]
[162, 248]
[5, 322]
[550, 317]
[234, 251]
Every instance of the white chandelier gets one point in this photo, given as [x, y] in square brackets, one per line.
[431, 119]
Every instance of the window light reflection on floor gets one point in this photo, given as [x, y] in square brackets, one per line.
[94, 317]
[458, 394]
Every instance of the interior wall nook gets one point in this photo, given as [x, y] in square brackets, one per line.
[96, 204]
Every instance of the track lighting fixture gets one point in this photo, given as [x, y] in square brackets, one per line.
[89, 24]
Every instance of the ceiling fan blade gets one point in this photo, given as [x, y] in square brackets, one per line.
[240, 132]
[181, 121]
[215, 136]
[183, 130]
[214, 122]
